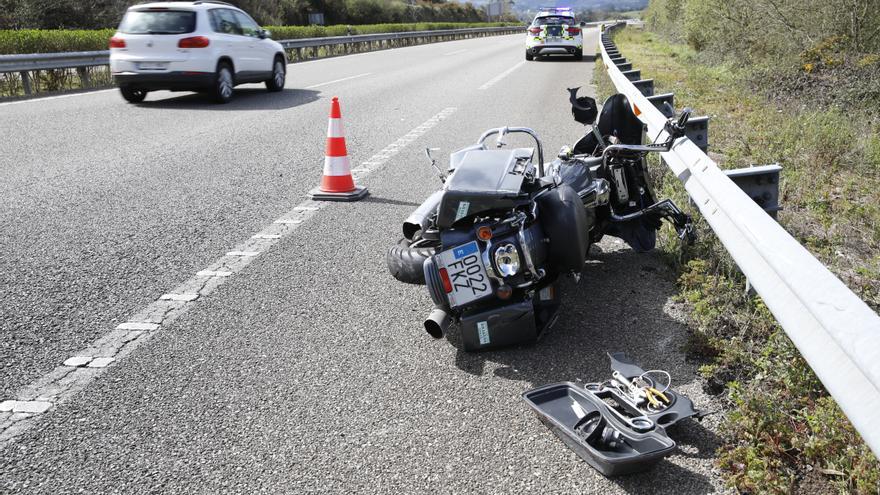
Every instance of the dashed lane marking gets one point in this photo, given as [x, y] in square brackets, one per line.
[76, 372]
[501, 76]
[48, 98]
[338, 80]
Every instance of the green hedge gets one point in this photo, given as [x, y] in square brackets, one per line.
[61, 40]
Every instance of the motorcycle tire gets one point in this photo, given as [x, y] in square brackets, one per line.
[405, 262]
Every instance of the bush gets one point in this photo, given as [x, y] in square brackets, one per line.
[58, 40]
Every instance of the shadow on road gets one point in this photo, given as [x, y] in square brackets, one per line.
[566, 58]
[244, 99]
[619, 305]
[389, 201]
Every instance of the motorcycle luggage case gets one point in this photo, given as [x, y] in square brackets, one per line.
[513, 324]
[484, 180]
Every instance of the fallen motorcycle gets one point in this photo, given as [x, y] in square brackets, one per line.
[492, 243]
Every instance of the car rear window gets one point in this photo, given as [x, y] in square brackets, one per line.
[158, 22]
[553, 21]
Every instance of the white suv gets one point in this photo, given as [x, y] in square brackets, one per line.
[207, 46]
[554, 30]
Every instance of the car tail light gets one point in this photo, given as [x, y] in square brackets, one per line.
[117, 42]
[194, 42]
[574, 30]
[447, 284]
[535, 30]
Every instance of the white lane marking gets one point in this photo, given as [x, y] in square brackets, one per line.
[244, 254]
[137, 325]
[25, 406]
[376, 161]
[455, 52]
[501, 76]
[77, 361]
[47, 98]
[179, 297]
[338, 80]
[78, 371]
[213, 273]
[102, 362]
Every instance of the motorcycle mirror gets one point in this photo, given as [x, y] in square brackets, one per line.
[583, 109]
[434, 163]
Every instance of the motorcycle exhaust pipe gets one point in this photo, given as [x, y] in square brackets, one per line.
[437, 323]
[418, 220]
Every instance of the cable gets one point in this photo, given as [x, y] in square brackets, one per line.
[664, 372]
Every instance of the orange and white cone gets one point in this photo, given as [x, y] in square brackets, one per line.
[337, 183]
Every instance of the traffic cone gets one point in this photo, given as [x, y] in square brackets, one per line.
[337, 183]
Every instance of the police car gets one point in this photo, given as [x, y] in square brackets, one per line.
[554, 30]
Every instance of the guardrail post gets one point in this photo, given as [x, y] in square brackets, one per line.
[618, 60]
[665, 103]
[759, 183]
[646, 86]
[26, 82]
[83, 74]
[697, 130]
[632, 75]
[625, 67]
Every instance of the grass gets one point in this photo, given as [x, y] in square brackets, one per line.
[782, 432]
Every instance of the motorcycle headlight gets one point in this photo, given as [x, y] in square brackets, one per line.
[507, 260]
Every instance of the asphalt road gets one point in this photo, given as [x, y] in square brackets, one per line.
[308, 370]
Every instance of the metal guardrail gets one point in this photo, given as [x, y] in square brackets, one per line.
[368, 38]
[80, 60]
[834, 330]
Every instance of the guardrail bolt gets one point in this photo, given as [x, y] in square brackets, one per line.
[646, 86]
[697, 130]
[665, 103]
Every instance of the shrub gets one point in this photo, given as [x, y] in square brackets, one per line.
[59, 40]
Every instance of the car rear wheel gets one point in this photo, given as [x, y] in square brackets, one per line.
[224, 84]
[529, 56]
[579, 55]
[132, 95]
[279, 73]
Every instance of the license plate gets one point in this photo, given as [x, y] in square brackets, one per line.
[466, 273]
[152, 65]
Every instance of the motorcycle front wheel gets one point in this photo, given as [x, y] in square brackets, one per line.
[405, 261]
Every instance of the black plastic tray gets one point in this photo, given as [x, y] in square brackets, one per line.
[566, 408]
